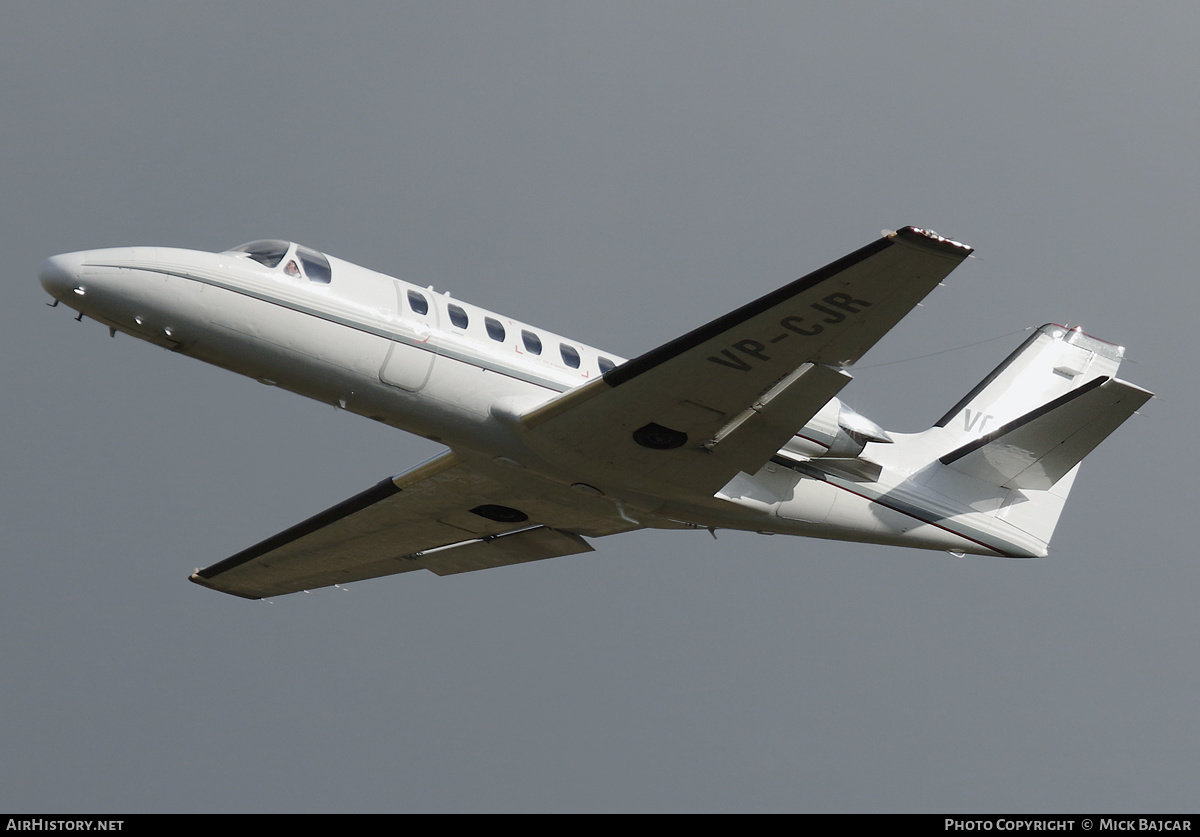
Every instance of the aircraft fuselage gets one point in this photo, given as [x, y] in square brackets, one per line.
[465, 377]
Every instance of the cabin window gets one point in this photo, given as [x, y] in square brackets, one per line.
[418, 303]
[606, 365]
[457, 316]
[533, 343]
[495, 329]
[569, 355]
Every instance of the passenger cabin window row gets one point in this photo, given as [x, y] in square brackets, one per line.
[307, 263]
[419, 304]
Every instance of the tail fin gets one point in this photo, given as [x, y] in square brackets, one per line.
[1024, 429]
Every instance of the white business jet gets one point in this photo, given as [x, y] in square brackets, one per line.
[550, 442]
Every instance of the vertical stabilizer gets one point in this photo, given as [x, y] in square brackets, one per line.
[1014, 443]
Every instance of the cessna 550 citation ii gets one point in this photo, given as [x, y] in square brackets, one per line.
[734, 425]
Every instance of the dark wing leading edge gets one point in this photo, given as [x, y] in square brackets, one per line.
[683, 419]
[444, 516]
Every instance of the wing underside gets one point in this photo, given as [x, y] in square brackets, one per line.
[445, 517]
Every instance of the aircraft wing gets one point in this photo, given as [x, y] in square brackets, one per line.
[686, 417]
[444, 516]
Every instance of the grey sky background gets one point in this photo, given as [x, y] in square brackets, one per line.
[620, 173]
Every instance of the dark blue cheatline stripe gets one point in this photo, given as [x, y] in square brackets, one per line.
[907, 509]
[912, 511]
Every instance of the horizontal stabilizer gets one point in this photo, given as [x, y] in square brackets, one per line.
[1037, 449]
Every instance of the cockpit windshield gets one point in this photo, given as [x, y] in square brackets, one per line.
[272, 251]
[269, 252]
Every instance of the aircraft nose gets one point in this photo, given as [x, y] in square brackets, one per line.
[60, 275]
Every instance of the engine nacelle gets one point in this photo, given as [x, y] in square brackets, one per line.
[836, 431]
[854, 430]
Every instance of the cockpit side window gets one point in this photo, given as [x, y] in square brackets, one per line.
[268, 252]
[316, 266]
